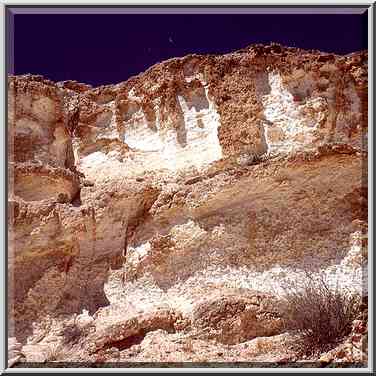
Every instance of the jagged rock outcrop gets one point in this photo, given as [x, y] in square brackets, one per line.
[193, 186]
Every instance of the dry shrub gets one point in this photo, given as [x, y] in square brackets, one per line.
[54, 353]
[321, 315]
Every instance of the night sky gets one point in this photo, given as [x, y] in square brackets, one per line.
[104, 49]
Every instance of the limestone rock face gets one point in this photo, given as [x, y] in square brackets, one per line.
[40, 146]
[237, 318]
[177, 203]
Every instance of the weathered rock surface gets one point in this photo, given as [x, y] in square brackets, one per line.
[177, 203]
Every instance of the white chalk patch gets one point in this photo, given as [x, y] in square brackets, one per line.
[286, 115]
[191, 142]
[139, 134]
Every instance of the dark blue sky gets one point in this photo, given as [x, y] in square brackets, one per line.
[103, 49]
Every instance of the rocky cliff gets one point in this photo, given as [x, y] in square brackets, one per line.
[181, 200]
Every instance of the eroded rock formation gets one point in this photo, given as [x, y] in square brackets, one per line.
[180, 200]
